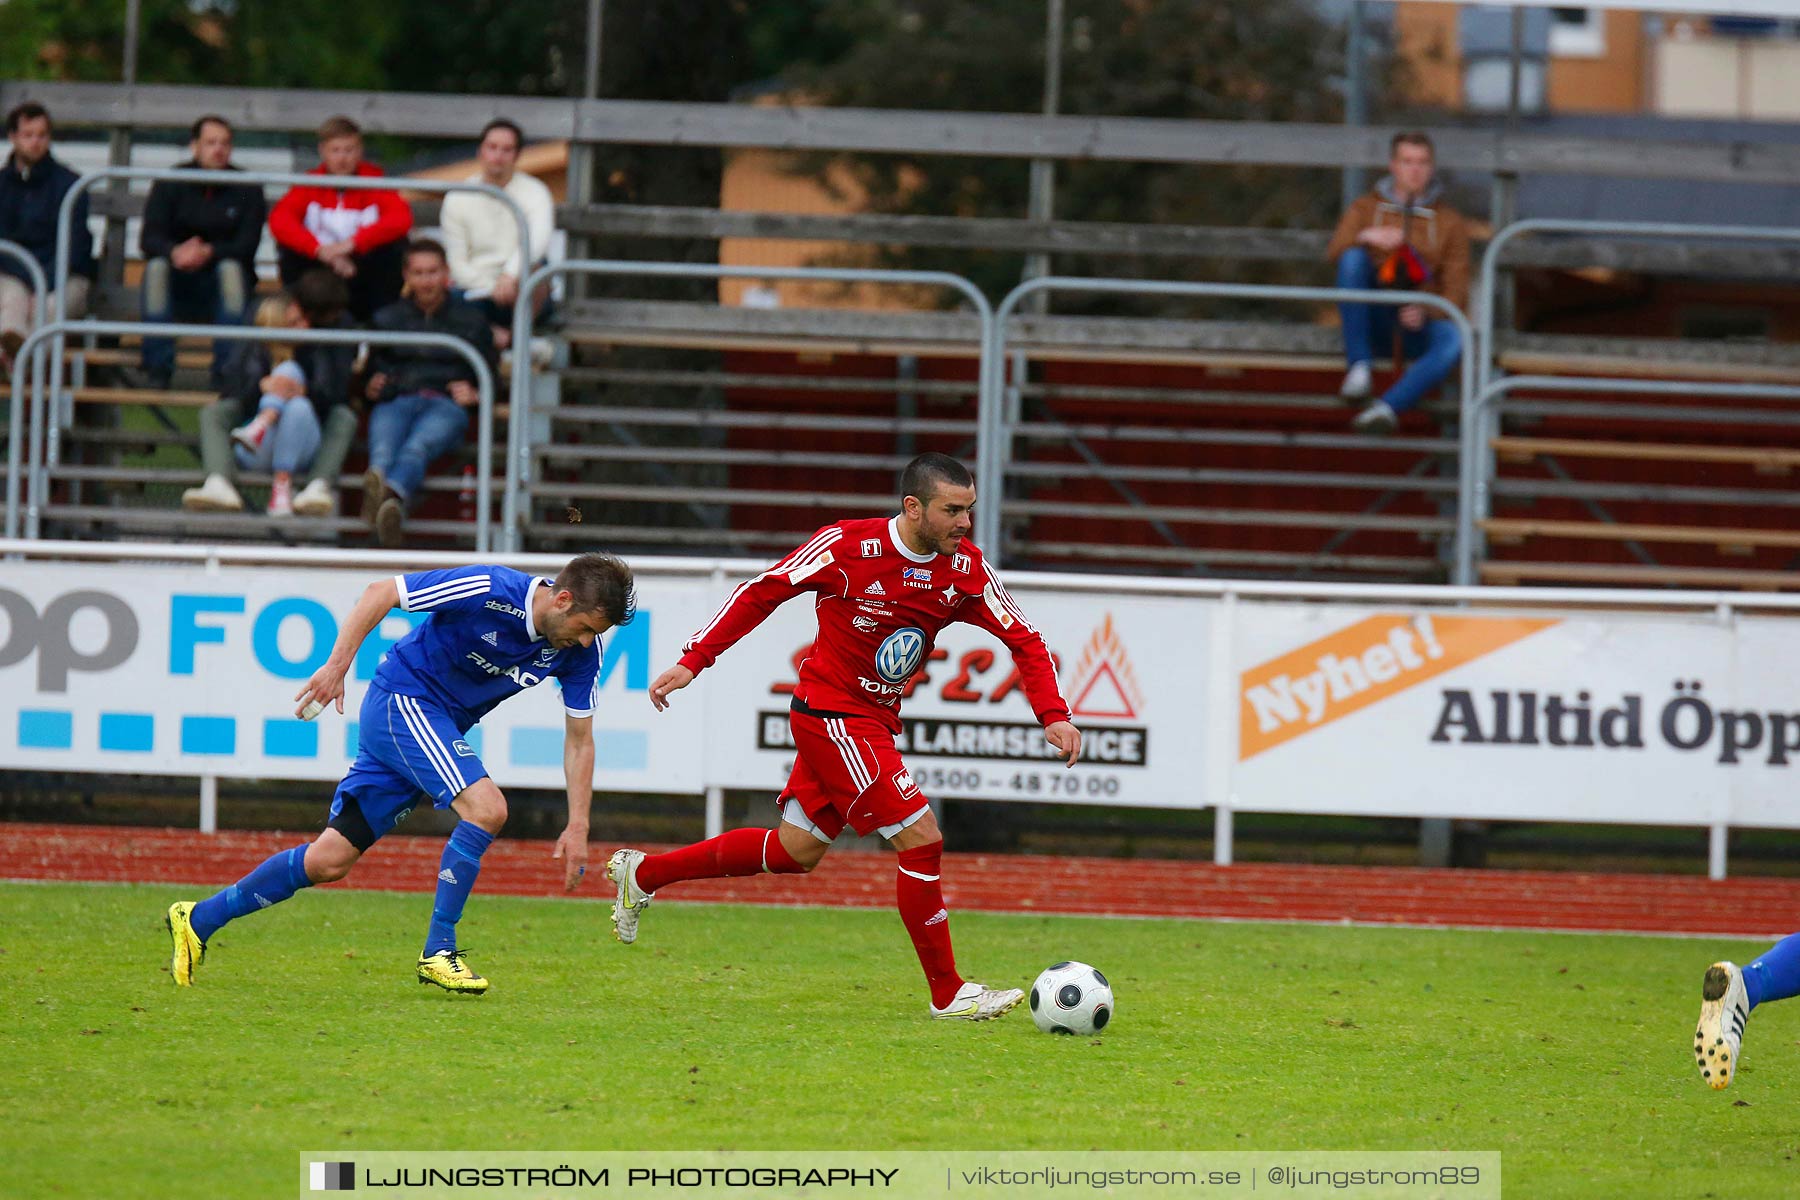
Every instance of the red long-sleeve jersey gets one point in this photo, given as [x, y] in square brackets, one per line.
[880, 607]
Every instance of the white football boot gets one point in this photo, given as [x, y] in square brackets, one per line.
[973, 1002]
[632, 900]
[1724, 1010]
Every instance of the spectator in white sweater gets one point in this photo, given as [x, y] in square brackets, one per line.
[482, 236]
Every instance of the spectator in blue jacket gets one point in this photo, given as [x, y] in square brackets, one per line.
[32, 187]
[420, 395]
[199, 242]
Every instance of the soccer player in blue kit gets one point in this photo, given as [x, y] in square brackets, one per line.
[492, 632]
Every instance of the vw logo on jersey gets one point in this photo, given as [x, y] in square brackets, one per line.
[899, 655]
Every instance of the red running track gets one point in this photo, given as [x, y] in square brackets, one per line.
[990, 883]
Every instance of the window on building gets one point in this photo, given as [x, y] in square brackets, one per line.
[1577, 32]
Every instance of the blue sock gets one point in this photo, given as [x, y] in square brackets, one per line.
[456, 879]
[280, 876]
[1775, 975]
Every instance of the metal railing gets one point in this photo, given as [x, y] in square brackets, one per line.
[1474, 506]
[996, 435]
[518, 456]
[37, 493]
[1485, 289]
[364, 183]
[1479, 407]
[15, 451]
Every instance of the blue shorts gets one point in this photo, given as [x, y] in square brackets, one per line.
[407, 750]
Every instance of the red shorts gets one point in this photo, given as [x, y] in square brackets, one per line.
[847, 772]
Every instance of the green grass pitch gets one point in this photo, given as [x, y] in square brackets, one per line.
[761, 1028]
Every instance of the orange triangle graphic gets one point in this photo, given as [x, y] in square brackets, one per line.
[1119, 705]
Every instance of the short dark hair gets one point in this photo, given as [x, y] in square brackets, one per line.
[31, 110]
[337, 127]
[200, 125]
[425, 246]
[600, 583]
[1411, 137]
[503, 123]
[924, 475]
[322, 295]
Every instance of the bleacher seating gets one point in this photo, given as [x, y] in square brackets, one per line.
[1185, 446]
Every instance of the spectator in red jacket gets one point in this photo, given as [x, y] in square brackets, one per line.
[359, 234]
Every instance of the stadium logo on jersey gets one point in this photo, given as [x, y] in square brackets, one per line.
[491, 638]
[917, 577]
[960, 563]
[866, 624]
[900, 655]
[875, 589]
[508, 609]
[871, 548]
[463, 748]
[903, 781]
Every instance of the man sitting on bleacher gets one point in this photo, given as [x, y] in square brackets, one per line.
[317, 300]
[32, 187]
[1401, 236]
[360, 235]
[481, 235]
[199, 242]
[422, 394]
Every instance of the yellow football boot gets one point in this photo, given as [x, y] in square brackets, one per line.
[190, 951]
[447, 969]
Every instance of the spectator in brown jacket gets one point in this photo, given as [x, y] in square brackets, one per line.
[1402, 236]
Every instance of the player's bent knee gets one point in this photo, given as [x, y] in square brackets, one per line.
[808, 857]
[483, 805]
[329, 858]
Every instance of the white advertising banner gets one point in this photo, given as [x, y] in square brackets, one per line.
[1633, 716]
[178, 670]
[181, 670]
[1622, 717]
[1132, 669]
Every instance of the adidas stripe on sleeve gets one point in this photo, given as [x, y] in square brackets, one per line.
[454, 588]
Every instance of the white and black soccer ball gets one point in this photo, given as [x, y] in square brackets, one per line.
[1072, 998]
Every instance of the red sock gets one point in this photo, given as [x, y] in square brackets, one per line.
[921, 899]
[736, 852]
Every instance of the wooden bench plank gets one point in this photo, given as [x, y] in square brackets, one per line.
[1732, 540]
[1532, 362]
[1768, 460]
[170, 398]
[1511, 574]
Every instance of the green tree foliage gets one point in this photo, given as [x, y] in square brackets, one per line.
[1268, 60]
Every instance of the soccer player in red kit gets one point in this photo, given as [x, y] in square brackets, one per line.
[882, 589]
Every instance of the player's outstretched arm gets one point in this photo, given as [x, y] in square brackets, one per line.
[671, 680]
[578, 774]
[327, 684]
[1066, 738]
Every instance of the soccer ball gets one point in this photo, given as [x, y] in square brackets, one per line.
[1073, 998]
